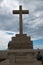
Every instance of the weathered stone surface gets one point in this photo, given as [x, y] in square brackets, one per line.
[20, 57]
[20, 42]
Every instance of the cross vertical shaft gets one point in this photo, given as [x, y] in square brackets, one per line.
[21, 25]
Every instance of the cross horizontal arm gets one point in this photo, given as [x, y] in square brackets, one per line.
[18, 11]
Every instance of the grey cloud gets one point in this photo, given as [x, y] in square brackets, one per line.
[1, 1]
[10, 22]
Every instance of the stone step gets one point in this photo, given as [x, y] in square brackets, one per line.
[6, 62]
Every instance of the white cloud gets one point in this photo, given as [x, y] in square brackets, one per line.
[9, 5]
[5, 38]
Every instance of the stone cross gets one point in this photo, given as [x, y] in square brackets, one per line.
[20, 12]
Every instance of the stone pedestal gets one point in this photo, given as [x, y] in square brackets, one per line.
[21, 41]
[21, 57]
[19, 53]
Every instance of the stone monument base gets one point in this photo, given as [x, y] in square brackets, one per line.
[20, 41]
[21, 57]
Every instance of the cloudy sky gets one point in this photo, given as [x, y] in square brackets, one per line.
[32, 22]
